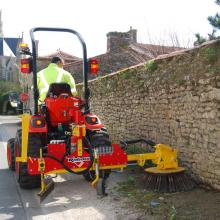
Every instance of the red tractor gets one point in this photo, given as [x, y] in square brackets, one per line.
[62, 135]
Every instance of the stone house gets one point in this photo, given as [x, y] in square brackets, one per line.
[8, 69]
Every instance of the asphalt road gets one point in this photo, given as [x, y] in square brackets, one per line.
[11, 206]
[72, 198]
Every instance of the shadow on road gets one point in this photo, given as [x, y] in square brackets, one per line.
[72, 198]
[10, 203]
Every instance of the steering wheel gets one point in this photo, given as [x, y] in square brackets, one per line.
[64, 95]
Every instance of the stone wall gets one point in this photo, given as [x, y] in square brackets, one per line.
[174, 99]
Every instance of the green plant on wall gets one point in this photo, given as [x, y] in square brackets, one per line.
[214, 70]
[101, 82]
[113, 83]
[210, 54]
[151, 66]
[126, 73]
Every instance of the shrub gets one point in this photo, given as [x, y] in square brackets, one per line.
[210, 54]
[9, 86]
[151, 66]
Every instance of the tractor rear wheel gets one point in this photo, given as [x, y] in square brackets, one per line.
[97, 139]
[24, 179]
[11, 153]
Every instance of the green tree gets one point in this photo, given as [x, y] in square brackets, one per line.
[215, 22]
[9, 86]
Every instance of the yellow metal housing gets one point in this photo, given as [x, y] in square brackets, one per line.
[79, 147]
[141, 158]
[164, 157]
[24, 138]
[155, 170]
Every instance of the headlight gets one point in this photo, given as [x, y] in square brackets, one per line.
[92, 120]
[38, 122]
[14, 104]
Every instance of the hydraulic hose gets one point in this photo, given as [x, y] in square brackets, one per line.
[67, 168]
[126, 142]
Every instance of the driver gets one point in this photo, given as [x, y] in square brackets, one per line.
[54, 73]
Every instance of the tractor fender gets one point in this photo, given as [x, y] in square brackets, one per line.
[92, 122]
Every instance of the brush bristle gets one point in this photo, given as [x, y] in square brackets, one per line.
[169, 182]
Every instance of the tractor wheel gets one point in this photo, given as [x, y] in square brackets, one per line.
[11, 153]
[97, 139]
[24, 179]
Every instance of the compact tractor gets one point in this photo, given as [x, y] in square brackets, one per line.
[61, 135]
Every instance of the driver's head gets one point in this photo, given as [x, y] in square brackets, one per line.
[59, 61]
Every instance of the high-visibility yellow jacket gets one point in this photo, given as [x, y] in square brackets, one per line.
[53, 74]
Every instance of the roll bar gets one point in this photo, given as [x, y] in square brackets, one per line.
[34, 54]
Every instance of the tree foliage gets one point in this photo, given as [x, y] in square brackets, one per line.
[9, 86]
[215, 22]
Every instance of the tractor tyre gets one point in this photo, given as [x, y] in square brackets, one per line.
[11, 153]
[24, 179]
[97, 139]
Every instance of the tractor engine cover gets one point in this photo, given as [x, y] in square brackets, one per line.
[63, 109]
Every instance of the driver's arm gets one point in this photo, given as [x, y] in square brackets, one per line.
[70, 80]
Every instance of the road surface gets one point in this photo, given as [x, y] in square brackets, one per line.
[72, 198]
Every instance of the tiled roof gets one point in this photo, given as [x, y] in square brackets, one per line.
[67, 57]
[152, 51]
[137, 53]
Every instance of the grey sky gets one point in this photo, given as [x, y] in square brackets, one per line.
[154, 19]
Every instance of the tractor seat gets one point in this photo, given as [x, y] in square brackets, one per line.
[56, 89]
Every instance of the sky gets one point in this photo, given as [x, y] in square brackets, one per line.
[156, 21]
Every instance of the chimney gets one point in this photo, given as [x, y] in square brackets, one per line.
[118, 40]
[133, 35]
